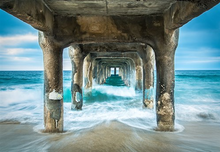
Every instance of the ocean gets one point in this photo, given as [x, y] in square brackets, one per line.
[197, 100]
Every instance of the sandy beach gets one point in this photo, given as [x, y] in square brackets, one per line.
[113, 136]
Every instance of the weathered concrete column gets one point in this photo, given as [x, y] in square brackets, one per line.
[106, 72]
[98, 73]
[148, 60]
[164, 54]
[128, 73]
[53, 83]
[76, 55]
[132, 74]
[101, 74]
[121, 72]
[138, 77]
[88, 71]
[124, 75]
[109, 71]
[95, 70]
[114, 70]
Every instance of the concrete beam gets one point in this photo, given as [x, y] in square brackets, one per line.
[183, 11]
[34, 12]
[120, 27]
[108, 7]
[107, 29]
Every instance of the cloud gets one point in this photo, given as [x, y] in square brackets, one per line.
[67, 64]
[17, 51]
[17, 40]
[15, 59]
[197, 58]
[199, 51]
[20, 59]
[203, 60]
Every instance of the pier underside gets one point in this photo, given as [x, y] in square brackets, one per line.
[132, 36]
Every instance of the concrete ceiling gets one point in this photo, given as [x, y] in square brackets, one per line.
[108, 21]
[108, 7]
[118, 61]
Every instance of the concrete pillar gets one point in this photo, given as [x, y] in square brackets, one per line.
[106, 72]
[101, 74]
[98, 73]
[115, 71]
[109, 71]
[76, 55]
[164, 54]
[148, 78]
[132, 74]
[53, 84]
[88, 71]
[129, 73]
[124, 74]
[138, 77]
[121, 72]
[94, 70]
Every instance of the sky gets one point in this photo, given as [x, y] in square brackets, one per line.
[198, 48]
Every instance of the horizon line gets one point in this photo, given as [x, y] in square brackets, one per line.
[154, 70]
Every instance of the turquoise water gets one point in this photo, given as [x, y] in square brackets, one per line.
[114, 80]
[197, 98]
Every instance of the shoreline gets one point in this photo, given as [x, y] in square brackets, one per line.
[112, 136]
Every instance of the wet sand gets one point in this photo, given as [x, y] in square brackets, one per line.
[111, 137]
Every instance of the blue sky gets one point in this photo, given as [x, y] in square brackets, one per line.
[198, 49]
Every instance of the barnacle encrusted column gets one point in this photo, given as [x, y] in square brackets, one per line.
[53, 83]
[164, 54]
[77, 56]
[148, 59]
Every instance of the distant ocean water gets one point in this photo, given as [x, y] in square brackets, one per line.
[197, 98]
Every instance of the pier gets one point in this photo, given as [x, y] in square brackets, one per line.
[130, 36]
